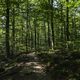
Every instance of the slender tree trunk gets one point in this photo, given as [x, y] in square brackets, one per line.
[22, 32]
[26, 36]
[67, 23]
[62, 28]
[29, 33]
[31, 38]
[38, 39]
[49, 39]
[7, 29]
[52, 24]
[48, 23]
[13, 32]
[27, 28]
[35, 28]
[45, 33]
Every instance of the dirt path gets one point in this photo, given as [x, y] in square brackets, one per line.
[32, 70]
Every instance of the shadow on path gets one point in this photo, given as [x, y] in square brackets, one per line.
[31, 69]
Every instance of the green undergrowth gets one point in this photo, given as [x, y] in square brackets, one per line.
[62, 64]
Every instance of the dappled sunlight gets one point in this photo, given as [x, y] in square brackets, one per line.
[39, 39]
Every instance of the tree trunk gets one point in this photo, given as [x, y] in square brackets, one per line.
[67, 23]
[7, 29]
[35, 28]
[13, 32]
[52, 24]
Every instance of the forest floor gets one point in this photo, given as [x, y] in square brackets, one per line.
[32, 69]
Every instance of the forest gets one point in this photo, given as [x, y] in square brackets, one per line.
[40, 39]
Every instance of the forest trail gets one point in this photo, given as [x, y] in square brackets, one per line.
[32, 69]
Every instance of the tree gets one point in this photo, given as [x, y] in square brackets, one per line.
[7, 28]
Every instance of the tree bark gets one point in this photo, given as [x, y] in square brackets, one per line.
[67, 23]
[52, 23]
[7, 29]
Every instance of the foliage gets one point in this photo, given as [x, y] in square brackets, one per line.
[65, 65]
